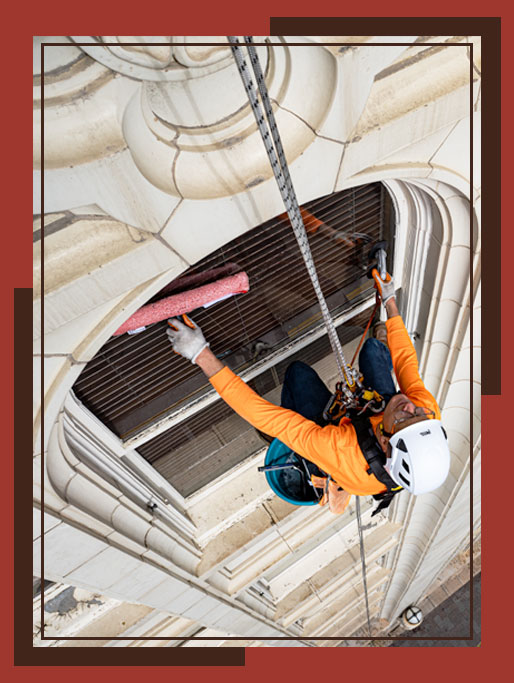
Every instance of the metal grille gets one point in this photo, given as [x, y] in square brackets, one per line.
[133, 380]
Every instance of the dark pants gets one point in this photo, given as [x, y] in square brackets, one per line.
[304, 392]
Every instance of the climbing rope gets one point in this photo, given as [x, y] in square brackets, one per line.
[275, 151]
[377, 304]
[363, 559]
[280, 169]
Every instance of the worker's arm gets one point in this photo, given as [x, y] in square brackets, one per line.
[318, 444]
[405, 364]
[392, 308]
[208, 362]
[403, 353]
[303, 436]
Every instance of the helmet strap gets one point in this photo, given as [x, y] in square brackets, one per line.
[383, 431]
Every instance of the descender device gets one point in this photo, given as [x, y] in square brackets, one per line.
[351, 397]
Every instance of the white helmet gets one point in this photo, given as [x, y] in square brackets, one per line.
[419, 457]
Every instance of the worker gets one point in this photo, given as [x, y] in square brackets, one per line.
[405, 446]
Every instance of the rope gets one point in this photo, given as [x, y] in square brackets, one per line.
[365, 331]
[281, 172]
[363, 559]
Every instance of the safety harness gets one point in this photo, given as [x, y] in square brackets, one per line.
[375, 457]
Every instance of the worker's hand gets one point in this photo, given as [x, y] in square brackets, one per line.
[187, 340]
[385, 287]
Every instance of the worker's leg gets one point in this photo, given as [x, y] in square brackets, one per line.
[376, 365]
[304, 391]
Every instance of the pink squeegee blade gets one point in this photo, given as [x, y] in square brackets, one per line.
[185, 302]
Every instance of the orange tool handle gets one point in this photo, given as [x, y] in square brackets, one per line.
[186, 320]
[378, 279]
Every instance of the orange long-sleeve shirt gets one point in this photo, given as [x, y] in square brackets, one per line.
[334, 448]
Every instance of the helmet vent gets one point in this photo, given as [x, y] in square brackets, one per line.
[405, 481]
[444, 432]
[401, 445]
[405, 465]
[426, 433]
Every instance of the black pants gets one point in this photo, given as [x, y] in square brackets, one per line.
[304, 392]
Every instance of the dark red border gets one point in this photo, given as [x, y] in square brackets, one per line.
[271, 663]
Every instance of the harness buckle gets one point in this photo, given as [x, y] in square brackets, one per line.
[336, 406]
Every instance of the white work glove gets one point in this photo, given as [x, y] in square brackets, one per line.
[385, 287]
[187, 340]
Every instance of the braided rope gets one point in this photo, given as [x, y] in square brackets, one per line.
[363, 559]
[280, 169]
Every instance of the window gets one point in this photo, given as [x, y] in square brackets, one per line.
[136, 380]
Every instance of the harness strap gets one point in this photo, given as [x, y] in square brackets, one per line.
[385, 501]
[376, 460]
